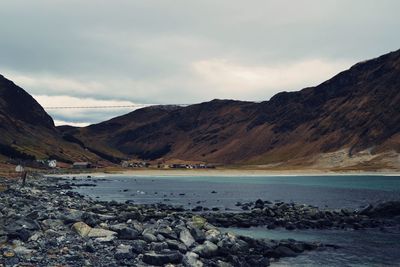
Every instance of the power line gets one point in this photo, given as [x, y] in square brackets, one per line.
[106, 107]
[97, 107]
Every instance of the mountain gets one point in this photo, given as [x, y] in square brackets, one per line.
[349, 121]
[27, 132]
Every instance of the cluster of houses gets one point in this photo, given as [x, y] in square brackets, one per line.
[52, 164]
[142, 164]
[191, 166]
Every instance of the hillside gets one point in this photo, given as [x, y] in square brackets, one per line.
[27, 132]
[349, 121]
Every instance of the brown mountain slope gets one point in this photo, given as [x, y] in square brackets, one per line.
[28, 132]
[356, 110]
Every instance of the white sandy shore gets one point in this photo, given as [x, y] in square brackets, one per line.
[225, 172]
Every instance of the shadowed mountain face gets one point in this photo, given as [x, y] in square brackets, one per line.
[356, 110]
[17, 105]
[27, 132]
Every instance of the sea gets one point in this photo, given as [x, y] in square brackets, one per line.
[376, 247]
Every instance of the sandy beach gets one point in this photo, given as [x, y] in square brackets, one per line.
[224, 172]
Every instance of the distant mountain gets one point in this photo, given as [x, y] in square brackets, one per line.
[349, 121]
[27, 132]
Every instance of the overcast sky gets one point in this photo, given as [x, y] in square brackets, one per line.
[120, 52]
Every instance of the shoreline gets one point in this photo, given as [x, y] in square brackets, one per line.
[222, 173]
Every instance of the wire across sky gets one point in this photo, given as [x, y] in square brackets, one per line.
[107, 107]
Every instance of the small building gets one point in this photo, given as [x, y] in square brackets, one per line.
[125, 164]
[52, 163]
[81, 165]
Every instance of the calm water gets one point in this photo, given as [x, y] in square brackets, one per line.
[358, 248]
[224, 192]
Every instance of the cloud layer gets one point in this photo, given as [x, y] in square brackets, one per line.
[172, 52]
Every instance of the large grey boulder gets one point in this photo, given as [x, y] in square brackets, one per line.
[206, 250]
[191, 259]
[153, 258]
[186, 238]
[124, 252]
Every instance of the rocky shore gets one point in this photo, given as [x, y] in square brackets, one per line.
[45, 224]
[300, 216]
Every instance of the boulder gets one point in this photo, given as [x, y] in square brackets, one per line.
[388, 209]
[128, 233]
[176, 245]
[212, 235]
[149, 237]
[158, 246]
[85, 230]
[124, 252]
[198, 221]
[98, 232]
[81, 228]
[191, 259]
[186, 238]
[138, 246]
[206, 250]
[198, 235]
[282, 251]
[161, 259]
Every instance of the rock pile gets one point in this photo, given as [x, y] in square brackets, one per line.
[295, 216]
[44, 224]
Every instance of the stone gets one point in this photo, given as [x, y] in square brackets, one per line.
[8, 253]
[206, 250]
[123, 252]
[223, 264]
[259, 204]
[106, 239]
[176, 245]
[149, 237]
[138, 246]
[89, 247]
[198, 235]
[258, 261]
[118, 227]
[98, 232]
[162, 259]
[128, 233]
[197, 209]
[81, 228]
[35, 236]
[191, 259]
[198, 221]
[212, 235]
[158, 246]
[72, 216]
[22, 251]
[283, 251]
[186, 238]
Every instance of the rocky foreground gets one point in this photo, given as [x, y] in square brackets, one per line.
[46, 224]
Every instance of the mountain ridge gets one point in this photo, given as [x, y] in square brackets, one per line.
[357, 110]
[28, 133]
[354, 115]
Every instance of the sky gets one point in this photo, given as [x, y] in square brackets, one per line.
[128, 52]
